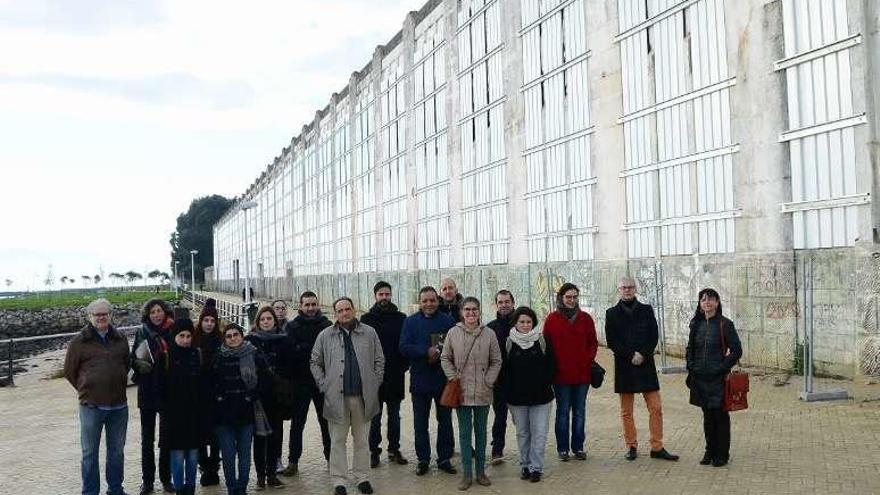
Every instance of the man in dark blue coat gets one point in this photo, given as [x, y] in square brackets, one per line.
[387, 321]
[501, 325]
[421, 342]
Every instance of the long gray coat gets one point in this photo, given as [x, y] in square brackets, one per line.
[328, 364]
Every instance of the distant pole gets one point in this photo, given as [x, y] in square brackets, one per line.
[176, 279]
[192, 266]
[247, 205]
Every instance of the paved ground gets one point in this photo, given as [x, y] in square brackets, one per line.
[779, 446]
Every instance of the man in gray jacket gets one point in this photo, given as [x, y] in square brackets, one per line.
[348, 365]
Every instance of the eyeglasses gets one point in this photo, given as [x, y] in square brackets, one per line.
[232, 336]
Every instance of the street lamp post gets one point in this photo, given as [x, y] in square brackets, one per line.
[247, 205]
[192, 266]
[176, 278]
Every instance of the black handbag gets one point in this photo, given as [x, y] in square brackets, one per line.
[597, 375]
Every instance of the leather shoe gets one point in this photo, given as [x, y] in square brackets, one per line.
[339, 490]
[146, 489]
[374, 460]
[663, 454]
[719, 462]
[396, 457]
[525, 474]
[631, 454]
[168, 487]
[365, 487]
[422, 469]
[707, 459]
[536, 476]
[446, 467]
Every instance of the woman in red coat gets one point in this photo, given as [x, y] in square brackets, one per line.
[572, 335]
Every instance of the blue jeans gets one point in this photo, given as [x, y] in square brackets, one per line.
[445, 436]
[236, 441]
[393, 410]
[91, 421]
[532, 424]
[184, 462]
[571, 405]
[472, 422]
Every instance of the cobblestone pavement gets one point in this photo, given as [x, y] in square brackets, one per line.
[780, 445]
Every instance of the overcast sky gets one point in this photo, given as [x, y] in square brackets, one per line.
[116, 114]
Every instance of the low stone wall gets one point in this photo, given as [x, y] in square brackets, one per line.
[28, 323]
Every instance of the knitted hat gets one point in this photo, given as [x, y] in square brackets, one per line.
[182, 324]
[210, 309]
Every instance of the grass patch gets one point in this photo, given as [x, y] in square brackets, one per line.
[74, 299]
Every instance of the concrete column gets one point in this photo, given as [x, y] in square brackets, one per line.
[864, 18]
[453, 136]
[514, 134]
[761, 167]
[606, 106]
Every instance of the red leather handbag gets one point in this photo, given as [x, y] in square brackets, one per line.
[736, 383]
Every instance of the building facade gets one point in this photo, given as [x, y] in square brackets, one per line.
[522, 143]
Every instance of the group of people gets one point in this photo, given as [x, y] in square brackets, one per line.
[220, 394]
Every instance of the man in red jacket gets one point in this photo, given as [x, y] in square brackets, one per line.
[572, 334]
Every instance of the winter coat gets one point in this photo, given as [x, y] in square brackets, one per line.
[453, 309]
[629, 332]
[328, 366]
[529, 374]
[233, 403]
[415, 339]
[98, 369]
[150, 383]
[181, 424]
[277, 398]
[477, 367]
[302, 332]
[501, 325]
[388, 324]
[708, 363]
[574, 345]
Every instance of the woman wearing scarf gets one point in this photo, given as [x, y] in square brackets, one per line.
[207, 339]
[268, 338]
[471, 354]
[239, 371]
[529, 367]
[151, 343]
[713, 349]
[572, 335]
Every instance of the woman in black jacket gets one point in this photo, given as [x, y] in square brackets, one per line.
[239, 372]
[713, 349]
[276, 398]
[180, 432]
[208, 338]
[529, 367]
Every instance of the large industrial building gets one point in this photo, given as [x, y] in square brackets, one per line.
[522, 143]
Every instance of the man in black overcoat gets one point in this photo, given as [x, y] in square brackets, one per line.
[631, 333]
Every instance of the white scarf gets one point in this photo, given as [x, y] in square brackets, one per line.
[525, 340]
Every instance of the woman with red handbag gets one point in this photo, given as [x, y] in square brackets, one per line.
[713, 349]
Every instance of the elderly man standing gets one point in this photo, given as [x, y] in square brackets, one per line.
[631, 332]
[348, 365]
[97, 366]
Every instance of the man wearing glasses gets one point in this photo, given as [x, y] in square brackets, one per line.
[97, 366]
[631, 333]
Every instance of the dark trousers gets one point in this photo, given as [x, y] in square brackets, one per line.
[267, 450]
[301, 400]
[716, 427]
[209, 455]
[445, 435]
[148, 450]
[393, 429]
[499, 424]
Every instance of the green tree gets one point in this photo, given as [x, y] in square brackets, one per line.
[155, 274]
[8, 282]
[118, 277]
[131, 276]
[86, 278]
[195, 230]
[97, 279]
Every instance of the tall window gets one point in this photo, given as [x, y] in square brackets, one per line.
[676, 124]
[364, 178]
[394, 190]
[822, 124]
[324, 183]
[483, 159]
[560, 176]
[342, 173]
[311, 213]
[298, 214]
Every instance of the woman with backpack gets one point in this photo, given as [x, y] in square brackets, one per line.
[529, 367]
